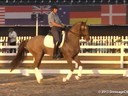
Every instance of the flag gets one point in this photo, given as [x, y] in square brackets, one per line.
[113, 14]
[127, 14]
[94, 14]
[45, 9]
[2, 15]
[82, 13]
[21, 15]
[63, 13]
[18, 15]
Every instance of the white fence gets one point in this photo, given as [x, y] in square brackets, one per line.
[91, 48]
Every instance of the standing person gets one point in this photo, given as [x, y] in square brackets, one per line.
[12, 39]
[56, 25]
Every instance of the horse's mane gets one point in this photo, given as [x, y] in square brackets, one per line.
[68, 29]
[76, 23]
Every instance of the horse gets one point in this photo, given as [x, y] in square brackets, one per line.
[70, 50]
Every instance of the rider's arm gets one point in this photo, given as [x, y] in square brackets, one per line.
[55, 24]
[51, 20]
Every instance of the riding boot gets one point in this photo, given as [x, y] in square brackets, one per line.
[60, 55]
[55, 52]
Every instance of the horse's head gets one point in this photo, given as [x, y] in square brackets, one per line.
[80, 29]
[84, 31]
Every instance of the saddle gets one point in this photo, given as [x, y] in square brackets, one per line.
[48, 40]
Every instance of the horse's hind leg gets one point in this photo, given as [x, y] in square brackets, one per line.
[38, 75]
[79, 66]
[37, 62]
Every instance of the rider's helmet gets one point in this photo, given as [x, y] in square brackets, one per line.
[54, 7]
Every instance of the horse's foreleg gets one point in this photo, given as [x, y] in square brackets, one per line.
[68, 76]
[79, 73]
[70, 72]
[77, 60]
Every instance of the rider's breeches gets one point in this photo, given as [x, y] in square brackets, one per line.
[56, 32]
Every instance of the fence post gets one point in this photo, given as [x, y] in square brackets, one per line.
[122, 55]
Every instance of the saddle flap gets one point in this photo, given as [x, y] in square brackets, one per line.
[48, 40]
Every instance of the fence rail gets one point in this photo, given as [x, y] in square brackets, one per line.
[92, 53]
[120, 54]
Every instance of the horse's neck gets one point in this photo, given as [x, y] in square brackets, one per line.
[71, 38]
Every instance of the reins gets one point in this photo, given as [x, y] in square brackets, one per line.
[78, 35]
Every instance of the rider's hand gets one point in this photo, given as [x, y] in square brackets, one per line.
[62, 25]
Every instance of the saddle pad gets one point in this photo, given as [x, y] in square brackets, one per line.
[48, 41]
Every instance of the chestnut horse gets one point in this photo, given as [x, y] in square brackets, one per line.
[70, 50]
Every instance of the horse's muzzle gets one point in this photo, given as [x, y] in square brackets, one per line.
[87, 38]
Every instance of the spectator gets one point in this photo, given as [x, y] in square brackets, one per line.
[12, 39]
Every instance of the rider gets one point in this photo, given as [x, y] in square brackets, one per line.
[56, 25]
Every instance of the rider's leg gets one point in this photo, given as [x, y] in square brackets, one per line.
[55, 50]
[55, 32]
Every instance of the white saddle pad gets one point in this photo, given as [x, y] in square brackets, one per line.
[48, 40]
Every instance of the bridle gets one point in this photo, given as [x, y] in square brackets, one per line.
[77, 34]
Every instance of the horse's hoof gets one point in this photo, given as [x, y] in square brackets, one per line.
[26, 74]
[64, 79]
[77, 77]
[40, 81]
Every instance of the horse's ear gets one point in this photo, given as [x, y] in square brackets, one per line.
[82, 23]
[86, 21]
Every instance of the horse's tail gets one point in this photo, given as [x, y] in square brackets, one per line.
[19, 56]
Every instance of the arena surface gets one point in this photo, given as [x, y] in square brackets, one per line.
[88, 85]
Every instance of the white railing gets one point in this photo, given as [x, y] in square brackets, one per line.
[120, 54]
[97, 46]
[94, 41]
